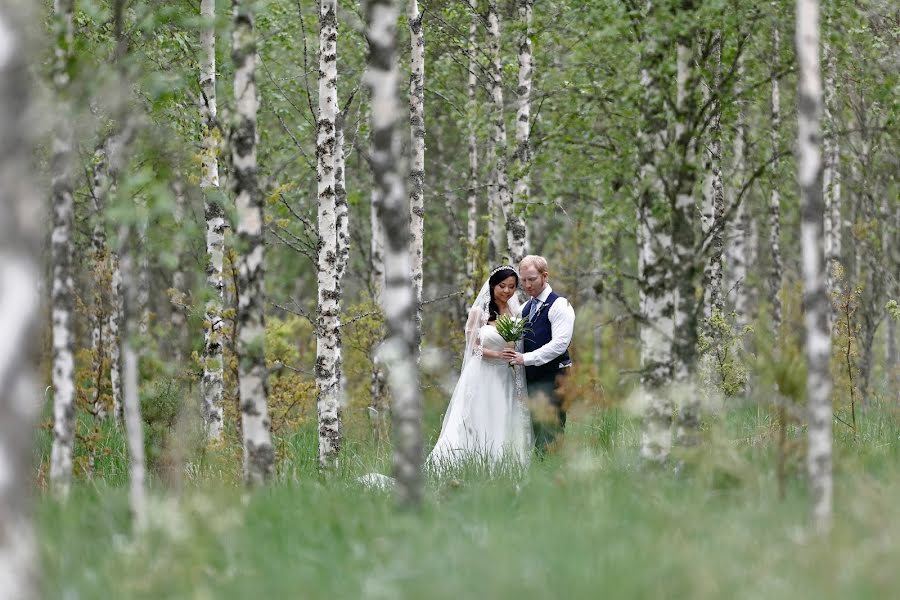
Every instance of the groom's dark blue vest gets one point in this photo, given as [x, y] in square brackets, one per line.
[540, 334]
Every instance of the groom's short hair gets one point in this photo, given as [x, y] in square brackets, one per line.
[538, 262]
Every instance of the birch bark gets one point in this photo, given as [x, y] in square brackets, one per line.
[738, 246]
[21, 225]
[815, 297]
[516, 231]
[131, 407]
[327, 381]
[213, 383]
[714, 195]
[655, 294]
[522, 156]
[684, 263]
[398, 350]
[62, 292]
[472, 190]
[259, 456]
[775, 274]
[99, 189]
[417, 174]
[831, 187]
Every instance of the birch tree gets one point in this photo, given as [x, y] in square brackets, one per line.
[417, 173]
[683, 260]
[831, 187]
[398, 349]
[259, 456]
[21, 224]
[714, 195]
[472, 189]
[516, 231]
[738, 243]
[178, 319]
[522, 155]
[62, 292]
[131, 406]
[99, 256]
[213, 383]
[815, 297]
[327, 350]
[657, 326]
[775, 274]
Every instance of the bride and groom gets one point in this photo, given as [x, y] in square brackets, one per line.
[502, 389]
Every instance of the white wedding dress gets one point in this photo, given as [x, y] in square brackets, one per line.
[486, 424]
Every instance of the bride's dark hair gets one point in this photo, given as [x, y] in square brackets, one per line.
[499, 275]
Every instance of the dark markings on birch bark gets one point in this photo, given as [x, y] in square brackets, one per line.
[398, 350]
[775, 272]
[417, 172]
[815, 297]
[259, 456]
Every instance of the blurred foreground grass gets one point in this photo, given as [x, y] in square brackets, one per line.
[589, 522]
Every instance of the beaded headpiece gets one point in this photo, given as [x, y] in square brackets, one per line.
[503, 268]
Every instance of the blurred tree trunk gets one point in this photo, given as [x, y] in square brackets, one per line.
[737, 249]
[417, 174]
[684, 262]
[815, 297]
[516, 231]
[775, 274]
[522, 155]
[213, 383]
[21, 234]
[62, 249]
[327, 348]
[832, 189]
[398, 350]
[259, 456]
[131, 405]
[654, 288]
[178, 318]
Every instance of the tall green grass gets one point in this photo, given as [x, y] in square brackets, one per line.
[588, 522]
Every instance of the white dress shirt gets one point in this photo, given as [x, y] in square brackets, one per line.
[562, 323]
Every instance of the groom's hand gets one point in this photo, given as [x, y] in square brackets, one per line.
[514, 358]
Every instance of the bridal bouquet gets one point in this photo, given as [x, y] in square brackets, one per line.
[511, 329]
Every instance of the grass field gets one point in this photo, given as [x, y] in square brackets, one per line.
[588, 522]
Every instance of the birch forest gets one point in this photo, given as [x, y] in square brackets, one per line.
[239, 242]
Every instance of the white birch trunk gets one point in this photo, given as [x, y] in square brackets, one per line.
[516, 232]
[398, 350]
[657, 326]
[522, 156]
[737, 247]
[21, 225]
[417, 173]
[818, 341]
[714, 197]
[472, 190]
[775, 274]
[62, 287]
[327, 349]
[99, 189]
[683, 259]
[376, 250]
[213, 383]
[143, 276]
[259, 456]
[831, 187]
[131, 406]
[115, 337]
[342, 223]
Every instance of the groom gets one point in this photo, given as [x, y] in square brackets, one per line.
[551, 321]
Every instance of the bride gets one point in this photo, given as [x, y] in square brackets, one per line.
[486, 422]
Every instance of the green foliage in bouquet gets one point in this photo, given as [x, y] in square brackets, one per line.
[511, 329]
